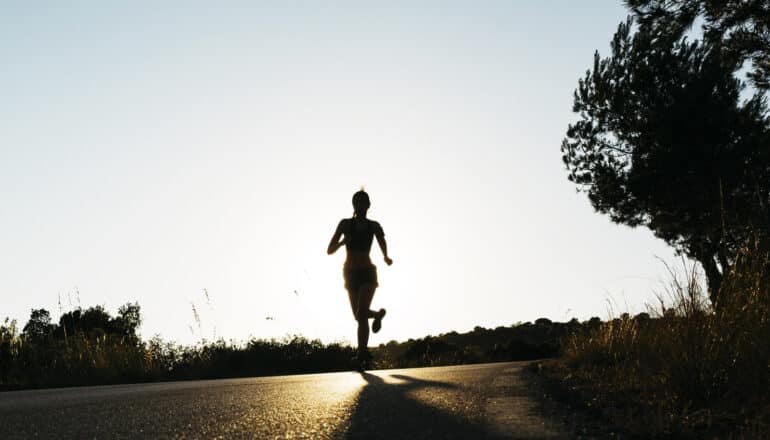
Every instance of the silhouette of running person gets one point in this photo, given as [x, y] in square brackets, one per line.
[356, 234]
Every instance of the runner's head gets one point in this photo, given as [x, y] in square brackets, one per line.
[360, 203]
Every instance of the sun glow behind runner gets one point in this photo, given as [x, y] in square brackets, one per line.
[149, 152]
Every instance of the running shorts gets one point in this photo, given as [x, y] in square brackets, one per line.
[360, 276]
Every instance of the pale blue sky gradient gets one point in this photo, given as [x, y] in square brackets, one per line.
[150, 151]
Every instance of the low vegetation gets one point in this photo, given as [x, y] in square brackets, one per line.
[695, 370]
[90, 346]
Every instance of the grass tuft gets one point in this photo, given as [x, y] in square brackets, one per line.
[692, 369]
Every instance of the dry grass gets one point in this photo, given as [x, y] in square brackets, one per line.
[693, 370]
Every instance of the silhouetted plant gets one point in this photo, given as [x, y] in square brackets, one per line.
[89, 346]
[741, 27]
[663, 141]
[691, 370]
[39, 325]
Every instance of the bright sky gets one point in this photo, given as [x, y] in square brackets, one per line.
[150, 152]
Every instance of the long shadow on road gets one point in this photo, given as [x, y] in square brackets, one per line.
[391, 410]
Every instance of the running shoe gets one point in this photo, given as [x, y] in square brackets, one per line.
[377, 324]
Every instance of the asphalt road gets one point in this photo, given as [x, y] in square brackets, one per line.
[492, 401]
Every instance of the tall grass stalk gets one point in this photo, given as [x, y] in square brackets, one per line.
[694, 368]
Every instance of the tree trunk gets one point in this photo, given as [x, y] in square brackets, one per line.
[714, 278]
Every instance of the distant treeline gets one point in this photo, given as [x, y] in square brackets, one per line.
[522, 341]
[90, 346]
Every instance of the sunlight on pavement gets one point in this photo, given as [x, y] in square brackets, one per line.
[391, 379]
[481, 401]
[311, 406]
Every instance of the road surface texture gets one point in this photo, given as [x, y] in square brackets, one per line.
[493, 401]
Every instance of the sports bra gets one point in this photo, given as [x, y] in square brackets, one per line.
[359, 239]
